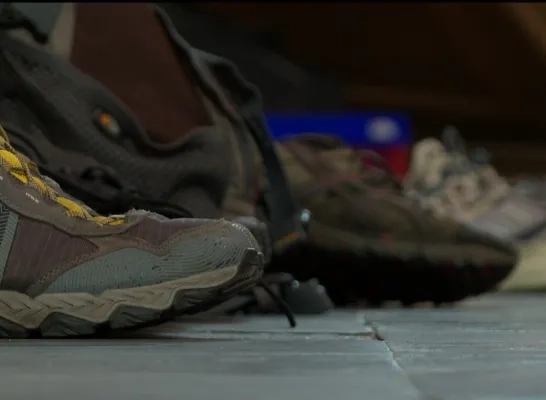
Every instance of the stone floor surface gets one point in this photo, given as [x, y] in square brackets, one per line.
[490, 348]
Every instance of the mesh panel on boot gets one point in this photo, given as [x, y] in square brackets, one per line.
[39, 249]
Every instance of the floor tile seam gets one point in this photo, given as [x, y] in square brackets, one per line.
[397, 365]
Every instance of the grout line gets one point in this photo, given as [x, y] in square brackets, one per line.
[397, 365]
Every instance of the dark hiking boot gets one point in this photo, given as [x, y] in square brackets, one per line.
[367, 241]
[86, 139]
[66, 270]
[206, 88]
[210, 162]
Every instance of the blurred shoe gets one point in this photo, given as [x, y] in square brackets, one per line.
[449, 182]
[66, 270]
[465, 187]
[367, 241]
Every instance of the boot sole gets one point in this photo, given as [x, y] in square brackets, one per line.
[82, 314]
[354, 269]
[351, 277]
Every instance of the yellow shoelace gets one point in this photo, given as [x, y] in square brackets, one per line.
[27, 172]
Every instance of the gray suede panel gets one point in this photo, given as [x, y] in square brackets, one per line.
[132, 267]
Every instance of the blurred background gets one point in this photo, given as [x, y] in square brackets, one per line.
[417, 67]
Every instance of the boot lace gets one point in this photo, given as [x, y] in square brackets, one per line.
[27, 172]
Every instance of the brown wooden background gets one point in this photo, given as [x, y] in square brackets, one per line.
[481, 66]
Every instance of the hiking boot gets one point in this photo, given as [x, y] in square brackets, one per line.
[58, 113]
[367, 241]
[86, 138]
[207, 84]
[65, 270]
[463, 185]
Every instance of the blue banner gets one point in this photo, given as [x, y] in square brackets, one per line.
[374, 130]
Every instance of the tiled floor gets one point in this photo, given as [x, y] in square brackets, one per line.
[491, 348]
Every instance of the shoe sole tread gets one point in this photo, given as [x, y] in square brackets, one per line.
[77, 314]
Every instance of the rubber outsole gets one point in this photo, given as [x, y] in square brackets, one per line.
[378, 278]
[84, 314]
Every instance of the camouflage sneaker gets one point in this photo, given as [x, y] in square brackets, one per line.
[449, 182]
[367, 241]
[454, 183]
[65, 270]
